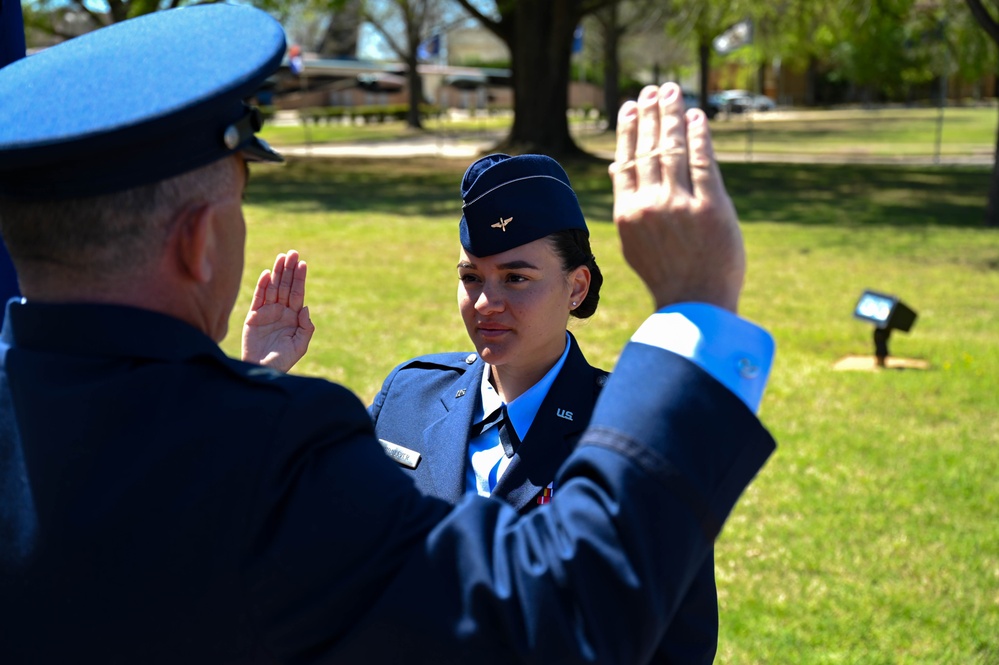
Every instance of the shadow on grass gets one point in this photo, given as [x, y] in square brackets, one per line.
[418, 186]
[855, 195]
[421, 186]
[811, 194]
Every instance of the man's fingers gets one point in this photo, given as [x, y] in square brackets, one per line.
[673, 150]
[287, 275]
[305, 324]
[646, 163]
[652, 149]
[622, 171]
[260, 291]
[276, 274]
[706, 179]
[296, 300]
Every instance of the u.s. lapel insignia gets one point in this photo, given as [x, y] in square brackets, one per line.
[408, 458]
[546, 494]
[501, 225]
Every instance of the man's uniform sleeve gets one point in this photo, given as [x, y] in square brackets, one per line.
[355, 566]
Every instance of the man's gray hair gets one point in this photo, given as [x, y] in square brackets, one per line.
[108, 234]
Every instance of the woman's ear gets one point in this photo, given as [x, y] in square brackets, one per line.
[196, 241]
[580, 280]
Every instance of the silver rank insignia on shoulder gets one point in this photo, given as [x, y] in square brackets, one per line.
[501, 225]
[408, 458]
[265, 372]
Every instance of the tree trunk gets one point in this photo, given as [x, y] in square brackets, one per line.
[811, 81]
[992, 205]
[991, 27]
[612, 88]
[541, 48]
[704, 61]
[342, 32]
[415, 85]
[612, 73]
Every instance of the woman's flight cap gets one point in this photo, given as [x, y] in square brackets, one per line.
[511, 201]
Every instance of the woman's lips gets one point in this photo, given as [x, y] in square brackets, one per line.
[492, 331]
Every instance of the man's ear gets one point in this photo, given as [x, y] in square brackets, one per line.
[195, 242]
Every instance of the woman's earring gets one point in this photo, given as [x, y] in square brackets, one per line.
[574, 304]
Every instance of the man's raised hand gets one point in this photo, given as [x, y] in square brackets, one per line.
[678, 228]
[277, 330]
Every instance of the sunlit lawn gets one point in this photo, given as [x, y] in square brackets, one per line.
[339, 131]
[888, 132]
[872, 536]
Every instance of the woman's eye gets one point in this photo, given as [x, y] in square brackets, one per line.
[516, 278]
[467, 278]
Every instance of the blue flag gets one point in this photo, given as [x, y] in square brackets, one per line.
[11, 49]
[577, 39]
[429, 49]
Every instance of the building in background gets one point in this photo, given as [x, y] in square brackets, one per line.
[474, 45]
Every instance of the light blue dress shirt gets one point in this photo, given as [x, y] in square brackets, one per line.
[487, 462]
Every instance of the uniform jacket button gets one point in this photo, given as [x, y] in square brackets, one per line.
[748, 369]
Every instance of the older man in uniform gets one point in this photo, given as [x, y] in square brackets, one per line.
[161, 502]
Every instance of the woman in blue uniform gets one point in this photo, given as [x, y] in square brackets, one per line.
[502, 420]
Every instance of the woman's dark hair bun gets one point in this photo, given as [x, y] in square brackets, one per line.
[573, 247]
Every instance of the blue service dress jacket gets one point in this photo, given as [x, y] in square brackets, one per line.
[427, 405]
[163, 503]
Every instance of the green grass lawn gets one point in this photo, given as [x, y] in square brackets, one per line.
[336, 131]
[860, 132]
[872, 535]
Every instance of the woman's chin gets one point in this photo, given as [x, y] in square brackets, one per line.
[493, 354]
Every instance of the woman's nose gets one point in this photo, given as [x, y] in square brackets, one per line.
[489, 300]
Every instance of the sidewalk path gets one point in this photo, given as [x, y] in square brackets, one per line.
[412, 147]
[468, 148]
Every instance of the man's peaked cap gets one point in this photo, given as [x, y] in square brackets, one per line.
[136, 102]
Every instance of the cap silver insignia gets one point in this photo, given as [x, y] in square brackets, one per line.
[231, 137]
[501, 225]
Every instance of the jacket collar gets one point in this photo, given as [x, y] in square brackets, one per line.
[563, 415]
[446, 460]
[104, 330]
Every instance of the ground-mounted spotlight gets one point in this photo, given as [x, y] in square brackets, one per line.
[887, 313]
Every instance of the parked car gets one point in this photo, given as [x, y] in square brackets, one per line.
[737, 101]
[693, 101]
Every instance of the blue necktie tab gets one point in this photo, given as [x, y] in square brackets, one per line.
[507, 434]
